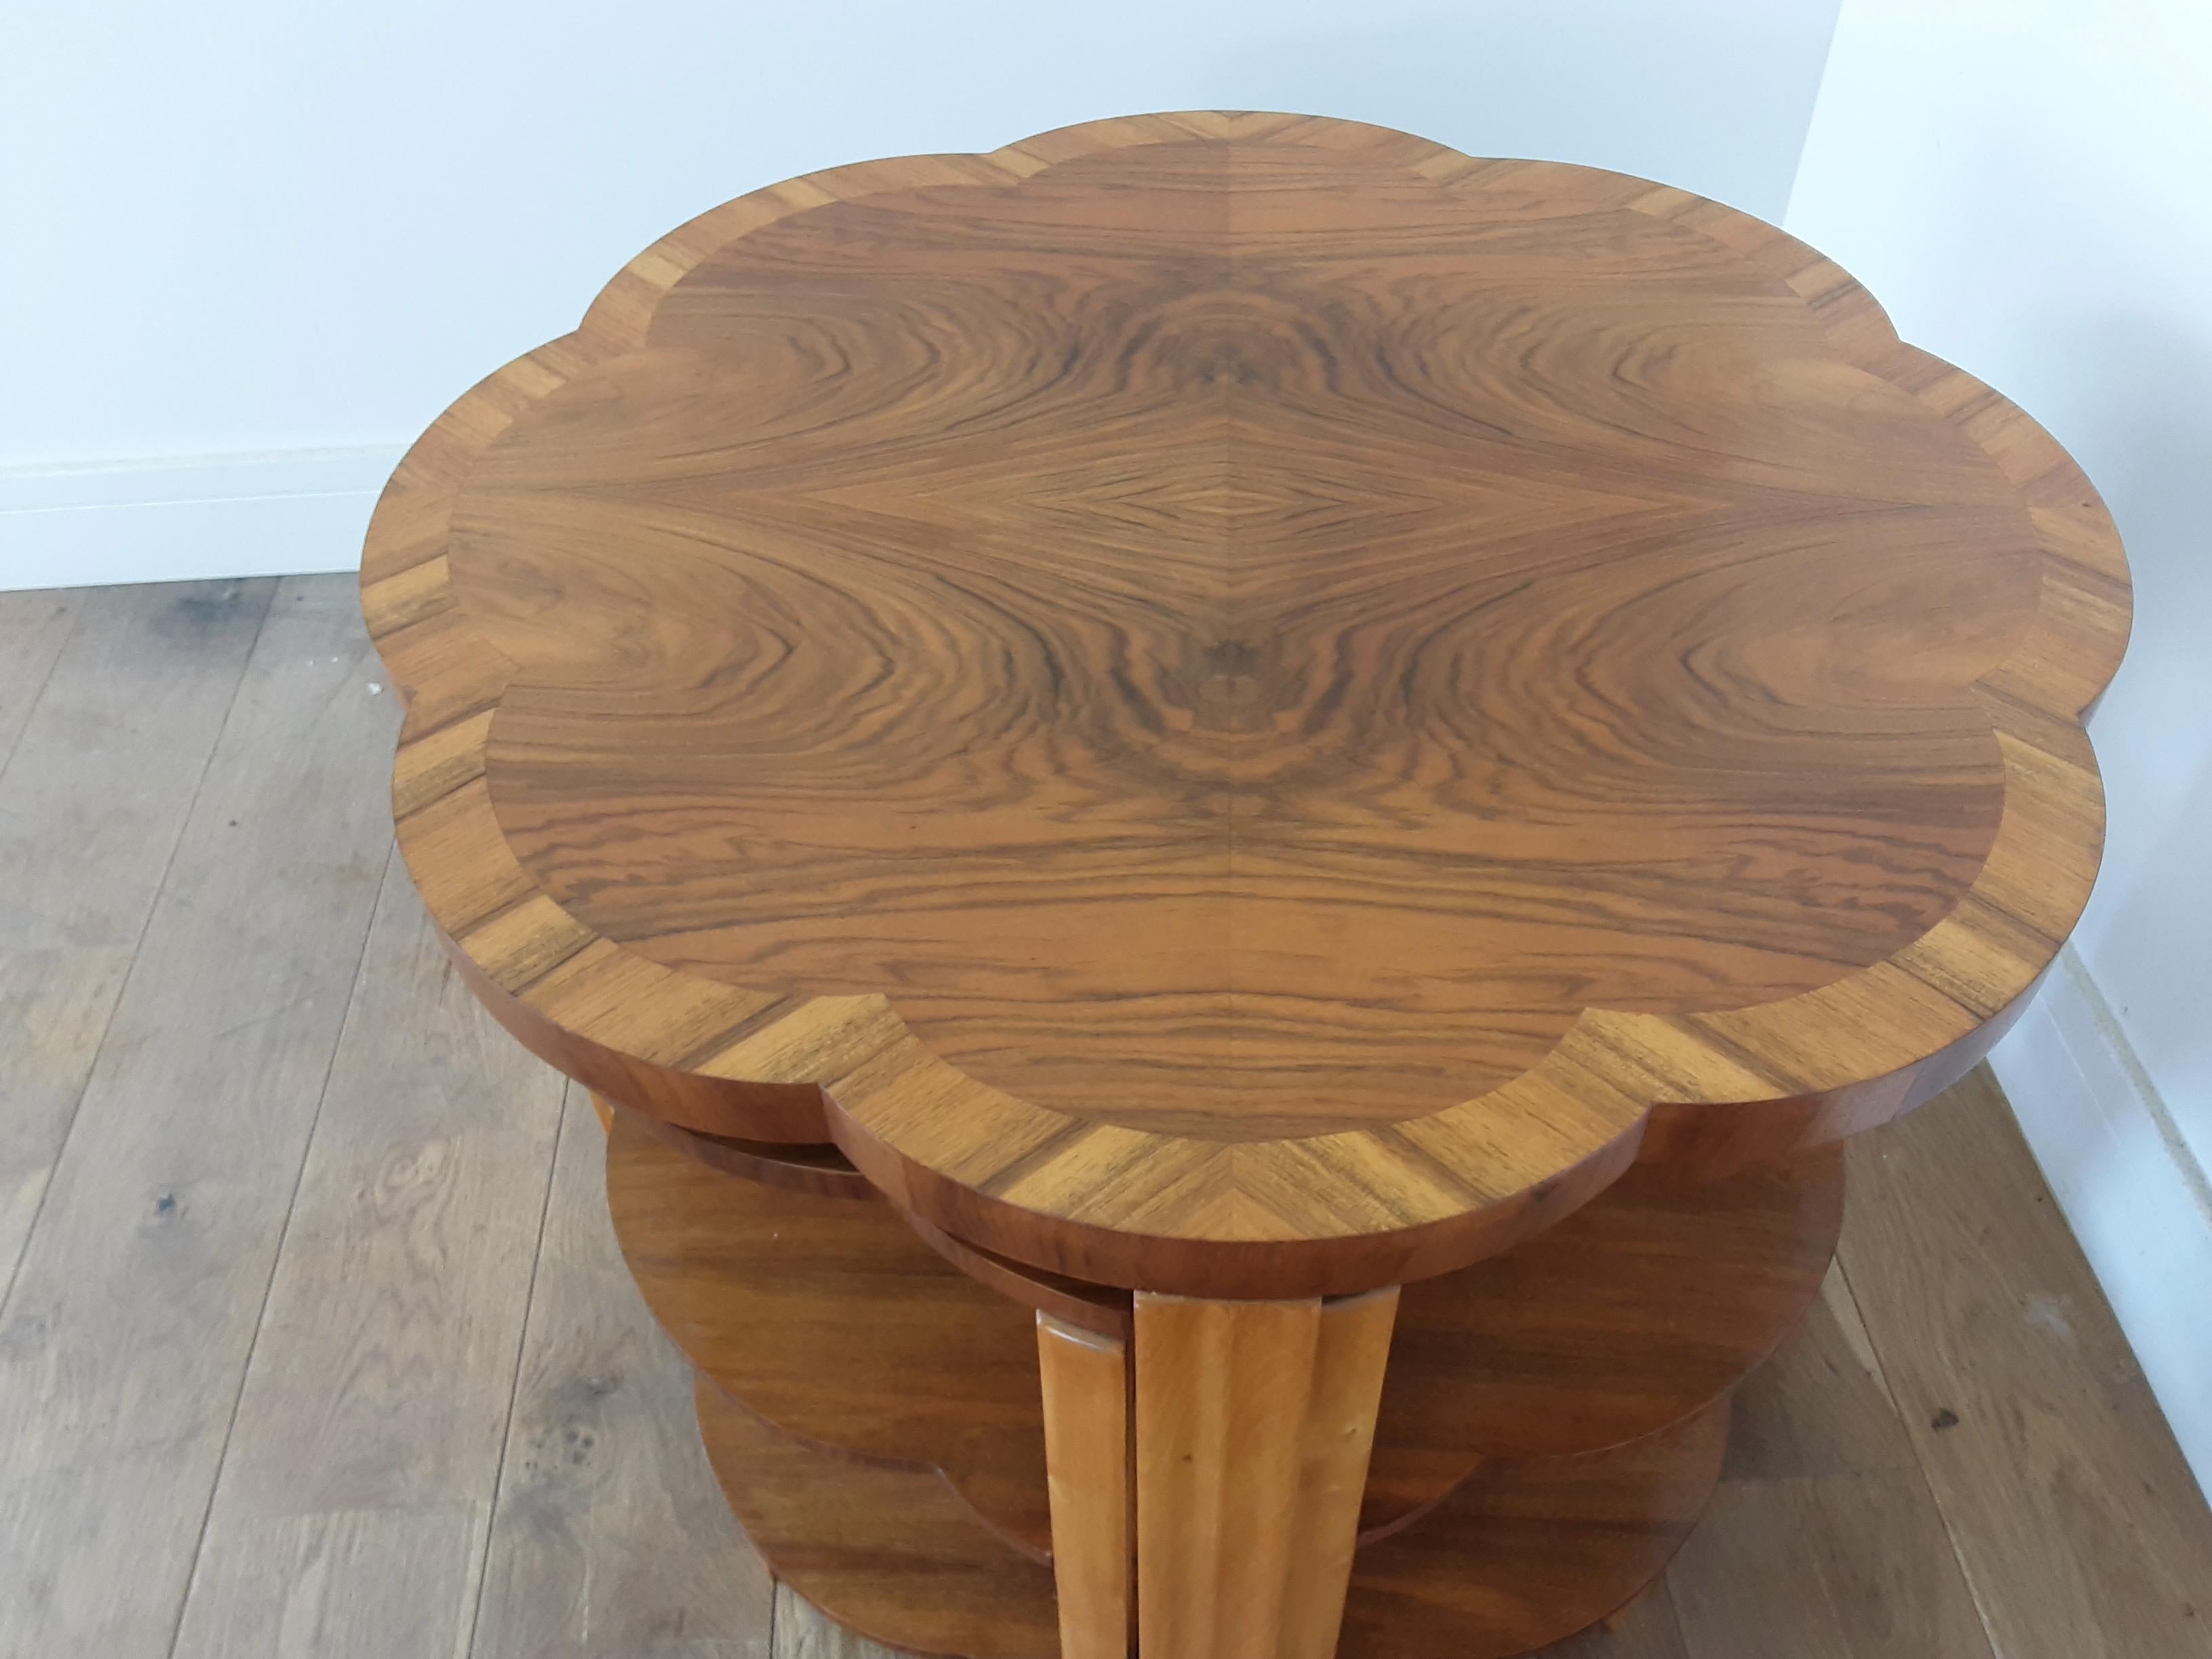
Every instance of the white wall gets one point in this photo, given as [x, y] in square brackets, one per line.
[252, 247]
[2027, 185]
[248, 249]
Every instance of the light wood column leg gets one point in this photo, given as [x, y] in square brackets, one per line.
[1086, 1450]
[1333, 1443]
[1253, 1421]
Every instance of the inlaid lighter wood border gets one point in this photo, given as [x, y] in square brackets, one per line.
[1293, 1216]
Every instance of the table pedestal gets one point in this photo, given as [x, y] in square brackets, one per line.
[954, 1453]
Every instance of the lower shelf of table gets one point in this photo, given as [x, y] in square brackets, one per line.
[1551, 1423]
[1524, 1552]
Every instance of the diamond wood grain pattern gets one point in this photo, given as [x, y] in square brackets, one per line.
[1243, 705]
[1977, 1454]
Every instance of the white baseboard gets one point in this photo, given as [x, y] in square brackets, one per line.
[175, 518]
[2137, 1199]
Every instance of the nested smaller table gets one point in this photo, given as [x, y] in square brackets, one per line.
[1230, 808]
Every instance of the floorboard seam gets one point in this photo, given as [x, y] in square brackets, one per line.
[31, 708]
[1920, 1468]
[276, 1260]
[138, 943]
[521, 1353]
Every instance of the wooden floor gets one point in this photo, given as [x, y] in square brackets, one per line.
[315, 1341]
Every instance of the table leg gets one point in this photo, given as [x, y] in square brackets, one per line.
[1334, 1442]
[1253, 1421]
[1086, 1447]
[1494, 1528]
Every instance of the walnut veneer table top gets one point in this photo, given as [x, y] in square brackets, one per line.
[1242, 703]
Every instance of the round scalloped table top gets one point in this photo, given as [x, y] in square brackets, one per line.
[1244, 703]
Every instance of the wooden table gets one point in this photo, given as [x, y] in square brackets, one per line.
[1229, 809]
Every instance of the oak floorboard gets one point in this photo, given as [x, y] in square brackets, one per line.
[125, 1336]
[1823, 1539]
[1644, 1629]
[332, 1582]
[2073, 1511]
[123, 1344]
[611, 1539]
[353, 1504]
[110, 704]
[33, 628]
[803, 1632]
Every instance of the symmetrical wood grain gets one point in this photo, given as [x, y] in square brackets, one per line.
[2060, 1482]
[1246, 705]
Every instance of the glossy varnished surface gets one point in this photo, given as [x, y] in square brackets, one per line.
[1527, 1552]
[1532, 1550]
[1237, 643]
[1090, 1474]
[831, 1321]
[391, 1464]
[889, 1549]
[1229, 703]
